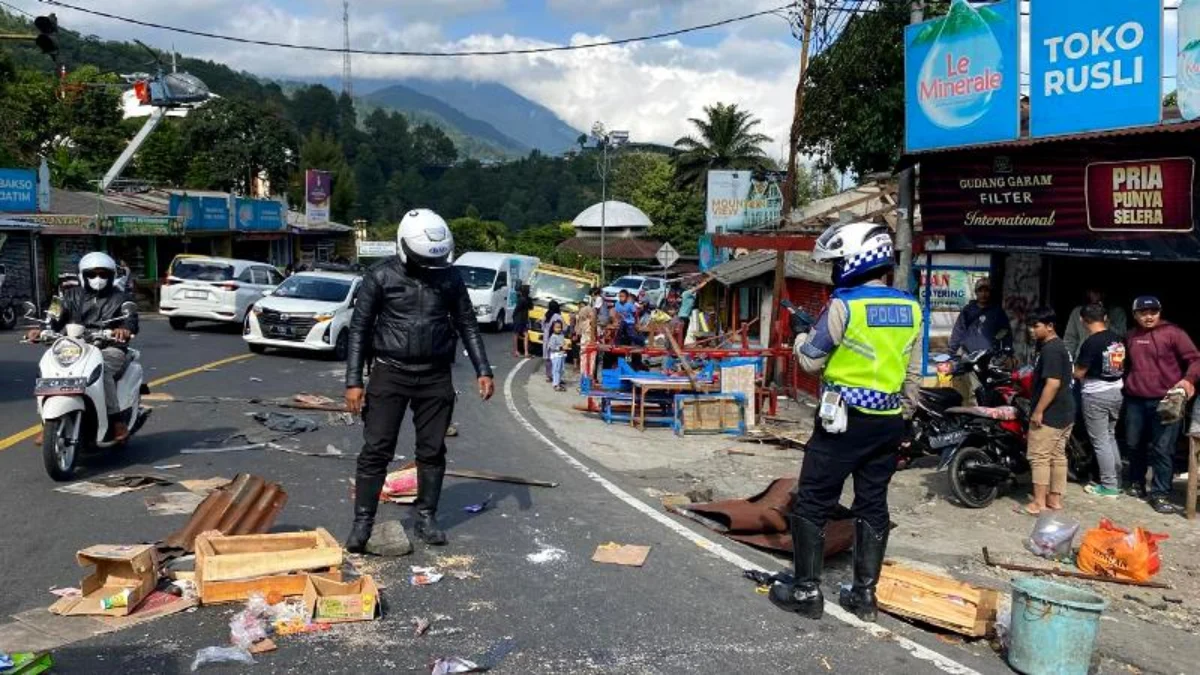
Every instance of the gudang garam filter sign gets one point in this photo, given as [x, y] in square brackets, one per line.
[962, 81]
[1094, 65]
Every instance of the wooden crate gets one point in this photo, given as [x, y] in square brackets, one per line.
[710, 413]
[937, 600]
[230, 568]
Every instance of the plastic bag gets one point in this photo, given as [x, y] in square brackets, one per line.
[1111, 551]
[221, 655]
[249, 625]
[1052, 536]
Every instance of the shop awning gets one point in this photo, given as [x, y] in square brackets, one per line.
[10, 224]
[800, 265]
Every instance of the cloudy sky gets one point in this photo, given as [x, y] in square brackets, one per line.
[649, 88]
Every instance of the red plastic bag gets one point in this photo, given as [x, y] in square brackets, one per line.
[1111, 551]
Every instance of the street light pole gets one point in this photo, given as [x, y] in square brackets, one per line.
[603, 206]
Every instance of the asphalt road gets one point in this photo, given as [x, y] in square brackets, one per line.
[539, 605]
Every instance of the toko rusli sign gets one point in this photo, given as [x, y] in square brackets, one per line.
[1094, 65]
[961, 77]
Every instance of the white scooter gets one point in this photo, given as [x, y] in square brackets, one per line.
[70, 393]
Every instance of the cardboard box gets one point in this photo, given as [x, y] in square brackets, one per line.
[117, 568]
[330, 601]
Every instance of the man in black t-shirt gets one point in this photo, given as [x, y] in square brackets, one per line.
[1053, 414]
[1099, 368]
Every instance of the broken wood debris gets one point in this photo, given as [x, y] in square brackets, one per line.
[937, 600]
[1055, 571]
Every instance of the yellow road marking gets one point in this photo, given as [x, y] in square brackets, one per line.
[16, 438]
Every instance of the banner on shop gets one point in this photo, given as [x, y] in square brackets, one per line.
[150, 226]
[709, 254]
[376, 249]
[1094, 65]
[744, 200]
[260, 215]
[1061, 203]
[200, 213]
[18, 190]
[318, 188]
[961, 77]
[1141, 196]
[949, 290]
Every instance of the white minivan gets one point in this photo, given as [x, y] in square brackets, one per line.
[492, 282]
[214, 289]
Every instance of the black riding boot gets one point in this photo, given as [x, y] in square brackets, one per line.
[366, 502]
[803, 596]
[869, 549]
[429, 491]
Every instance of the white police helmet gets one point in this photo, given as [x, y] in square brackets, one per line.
[424, 239]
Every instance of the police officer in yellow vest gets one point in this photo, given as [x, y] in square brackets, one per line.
[865, 341]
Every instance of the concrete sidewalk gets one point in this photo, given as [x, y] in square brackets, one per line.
[1143, 630]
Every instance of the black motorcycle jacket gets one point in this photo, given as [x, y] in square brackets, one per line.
[409, 318]
[94, 310]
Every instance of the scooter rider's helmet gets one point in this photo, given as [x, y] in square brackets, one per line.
[97, 271]
[424, 239]
[856, 250]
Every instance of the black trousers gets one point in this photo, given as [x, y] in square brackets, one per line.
[867, 451]
[389, 394]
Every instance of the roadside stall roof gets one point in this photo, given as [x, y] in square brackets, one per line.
[16, 224]
[800, 265]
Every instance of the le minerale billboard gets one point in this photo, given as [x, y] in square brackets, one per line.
[1136, 201]
[18, 191]
[1094, 65]
[961, 77]
[743, 200]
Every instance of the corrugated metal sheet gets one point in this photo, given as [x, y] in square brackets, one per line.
[247, 505]
[1169, 127]
[800, 265]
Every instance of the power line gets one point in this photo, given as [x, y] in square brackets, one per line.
[16, 9]
[341, 50]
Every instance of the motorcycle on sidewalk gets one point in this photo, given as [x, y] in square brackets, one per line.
[70, 393]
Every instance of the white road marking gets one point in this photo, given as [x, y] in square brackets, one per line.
[918, 651]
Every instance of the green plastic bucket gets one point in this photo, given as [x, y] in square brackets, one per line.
[1054, 627]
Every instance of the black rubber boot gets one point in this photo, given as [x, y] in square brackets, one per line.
[869, 549]
[429, 492]
[366, 503]
[803, 596]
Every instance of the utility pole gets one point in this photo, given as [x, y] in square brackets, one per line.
[789, 183]
[347, 81]
[908, 196]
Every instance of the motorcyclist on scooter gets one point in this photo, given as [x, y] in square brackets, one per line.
[94, 304]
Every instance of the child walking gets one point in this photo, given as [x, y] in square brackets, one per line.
[556, 348]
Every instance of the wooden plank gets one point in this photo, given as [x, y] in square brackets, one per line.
[238, 591]
[937, 600]
[243, 544]
[741, 380]
[1193, 477]
[252, 556]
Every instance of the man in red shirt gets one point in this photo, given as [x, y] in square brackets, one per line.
[1159, 357]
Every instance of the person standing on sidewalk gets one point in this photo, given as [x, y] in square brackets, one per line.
[1053, 414]
[585, 333]
[1160, 358]
[521, 322]
[865, 342]
[407, 314]
[1117, 321]
[1099, 369]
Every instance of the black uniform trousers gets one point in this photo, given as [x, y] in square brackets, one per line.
[866, 450]
[390, 393]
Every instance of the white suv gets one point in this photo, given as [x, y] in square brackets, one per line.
[214, 289]
[655, 289]
[309, 310]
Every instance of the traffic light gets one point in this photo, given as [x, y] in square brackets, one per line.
[47, 27]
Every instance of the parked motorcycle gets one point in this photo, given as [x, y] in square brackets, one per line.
[70, 392]
[8, 304]
[992, 452]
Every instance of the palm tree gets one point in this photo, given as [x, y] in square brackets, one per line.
[727, 140]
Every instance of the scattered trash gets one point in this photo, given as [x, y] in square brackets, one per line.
[330, 450]
[340, 419]
[1057, 572]
[1052, 537]
[26, 663]
[220, 449]
[389, 540]
[250, 625]
[327, 601]
[173, 503]
[204, 486]
[125, 571]
[420, 626]
[110, 486]
[621, 554]
[313, 399]
[402, 482]
[547, 554]
[825, 662]
[937, 600]
[482, 506]
[763, 578]
[424, 576]
[247, 505]
[454, 664]
[499, 478]
[286, 422]
[67, 592]
[452, 430]
[211, 655]
[6, 661]
[256, 379]
[263, 646]
[1173, 599]
[165, 467]
[1112, 551]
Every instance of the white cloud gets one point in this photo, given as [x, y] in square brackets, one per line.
[649, 88]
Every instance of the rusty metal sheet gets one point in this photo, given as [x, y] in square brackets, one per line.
[247, 505]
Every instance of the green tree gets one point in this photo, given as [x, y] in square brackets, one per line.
[473, 234]
[315, 108]
[541, 241]
[725, 140]
[392, 140]
[854, 93]
[431, 146]
[1171, 99]
[163, 158]
[232, 142]
[27, 99]
[647, 181]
